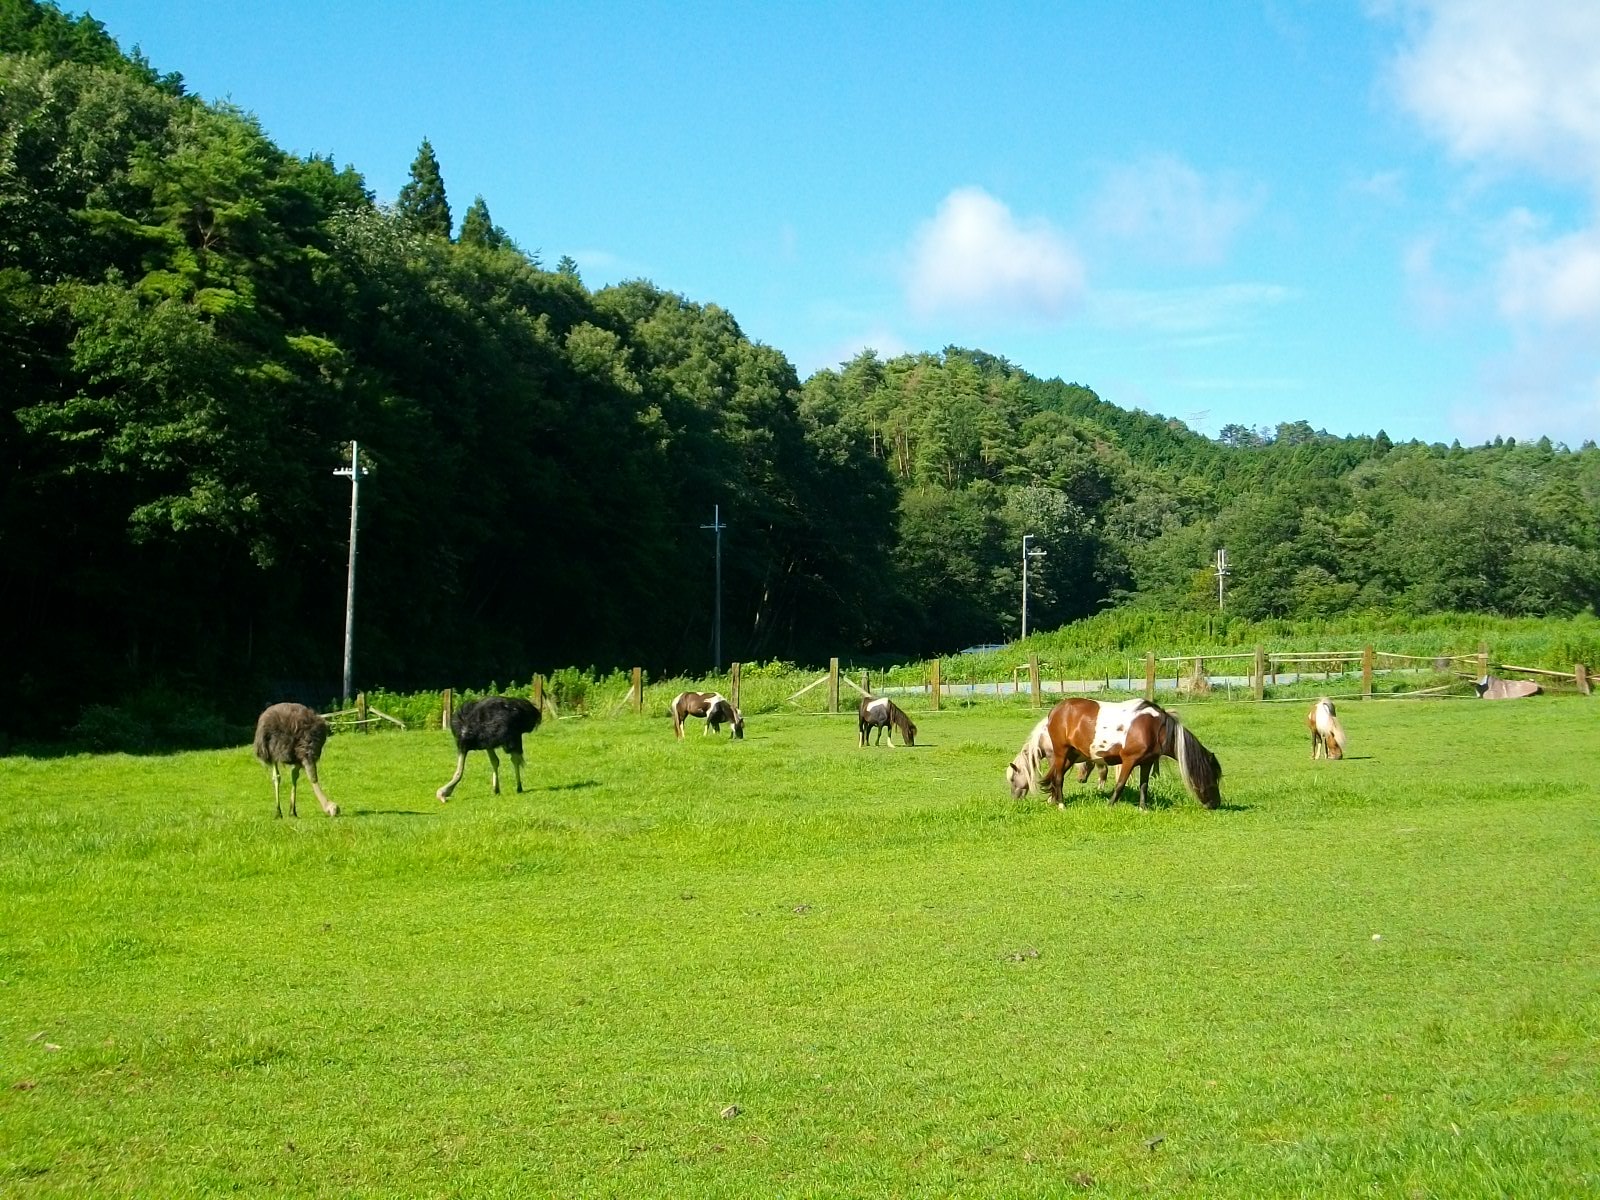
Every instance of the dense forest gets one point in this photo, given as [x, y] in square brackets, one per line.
[194, 326]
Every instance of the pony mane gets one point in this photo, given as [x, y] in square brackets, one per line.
[1198, 767]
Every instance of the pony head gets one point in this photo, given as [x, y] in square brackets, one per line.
[909, 732]
[738, 723]
[1019, 778]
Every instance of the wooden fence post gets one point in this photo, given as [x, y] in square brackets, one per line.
[1150, 675]
[866, 682]
[1580, 676]
[1483, 659]
[733, 683]
[936, 689]
[1261, 672]
[1033, 679]
[1368, 658]
[638, 691]
[361, 711]
[447, 704]
[833, 685]
[1199, 675]
[538, 692]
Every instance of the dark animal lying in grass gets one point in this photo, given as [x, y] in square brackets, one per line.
[492, 723]
[293, 735]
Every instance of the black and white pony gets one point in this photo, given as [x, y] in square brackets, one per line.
[885, 716]
[492, 723]
[713, 707]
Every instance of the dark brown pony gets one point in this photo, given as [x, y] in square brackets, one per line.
[1134, 733]
[712, 706]
[884, 715]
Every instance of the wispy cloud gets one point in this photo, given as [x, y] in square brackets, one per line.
[1553, 281]
[1190, 311]
[1171, 212]
[974, 258]
[1509, 81]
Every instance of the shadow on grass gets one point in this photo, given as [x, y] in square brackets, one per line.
[575, 786]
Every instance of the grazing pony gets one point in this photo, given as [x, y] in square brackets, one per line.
[713, 706]
[1327, 735]
[1023, 773]
[1134, 733]
[885, 716]
[293, 734]
[492, 723]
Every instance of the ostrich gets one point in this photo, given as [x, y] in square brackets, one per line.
[293, 734]
[491, 723]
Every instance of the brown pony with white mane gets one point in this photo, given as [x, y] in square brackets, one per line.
[713, 707]
[1134, 733]
[884, 715]
[1024, 772]
[1327, 735]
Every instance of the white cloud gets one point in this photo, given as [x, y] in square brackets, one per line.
[974, 258]
[1533, 394]
[1173, 212]
[1508, 81]
[1553, 282]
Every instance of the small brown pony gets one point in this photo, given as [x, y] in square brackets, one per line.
[1327, 735]
[1134, 733]
[885, 716]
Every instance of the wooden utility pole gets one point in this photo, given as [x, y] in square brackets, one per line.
[935, 688]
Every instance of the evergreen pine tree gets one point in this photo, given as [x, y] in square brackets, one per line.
[477, 229]
[568, 266]
[422, 200]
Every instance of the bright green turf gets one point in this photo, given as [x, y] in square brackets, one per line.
[907, 982]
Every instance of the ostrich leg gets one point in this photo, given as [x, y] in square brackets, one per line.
[294, 788]
[494, 767]
[328, 806]
[276, 802]
[516, 765]
[461, 769]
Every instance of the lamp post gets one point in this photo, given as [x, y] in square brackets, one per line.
[716, 620]
[355, 471]
[1026, 555]
[1222, 575]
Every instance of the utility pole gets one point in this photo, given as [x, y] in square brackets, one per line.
[1026, 555]
[355, 471]
[1222, 574]
[716, 619]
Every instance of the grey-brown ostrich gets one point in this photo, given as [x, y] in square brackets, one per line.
[293, 735]
[492, 723]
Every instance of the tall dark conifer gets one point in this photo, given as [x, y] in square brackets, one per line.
[478, 229]
[422, 200]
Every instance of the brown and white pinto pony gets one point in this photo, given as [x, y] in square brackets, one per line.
[1134, 733]
[714, 707]
[884, 715]
[1327, 735]
[1024, 772]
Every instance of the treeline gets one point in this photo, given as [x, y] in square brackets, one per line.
[194, 325]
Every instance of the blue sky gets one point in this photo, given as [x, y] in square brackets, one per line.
[1364, 215]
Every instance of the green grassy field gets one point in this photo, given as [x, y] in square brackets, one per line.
[789, 967]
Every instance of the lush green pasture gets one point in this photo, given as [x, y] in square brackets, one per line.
[791, 967]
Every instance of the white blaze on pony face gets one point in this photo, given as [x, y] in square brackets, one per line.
[1111, 726]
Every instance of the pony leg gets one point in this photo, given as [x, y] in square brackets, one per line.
[1144, 786]
[1124, 769]
[494, 769]
[677, 726]
[461, 769]
[888, 732]
[861, 728]
[516, 765]
[276, 802]
[328, 806]
[294, 786]
[1057, 775]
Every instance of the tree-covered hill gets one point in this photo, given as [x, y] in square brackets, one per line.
[194, 325]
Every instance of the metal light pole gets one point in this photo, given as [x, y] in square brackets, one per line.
[1222, 573]
[716, 636]
[355, 471]
[1026, 555]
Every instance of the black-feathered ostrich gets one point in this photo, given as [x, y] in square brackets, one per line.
[293, 735]
[492, 723]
